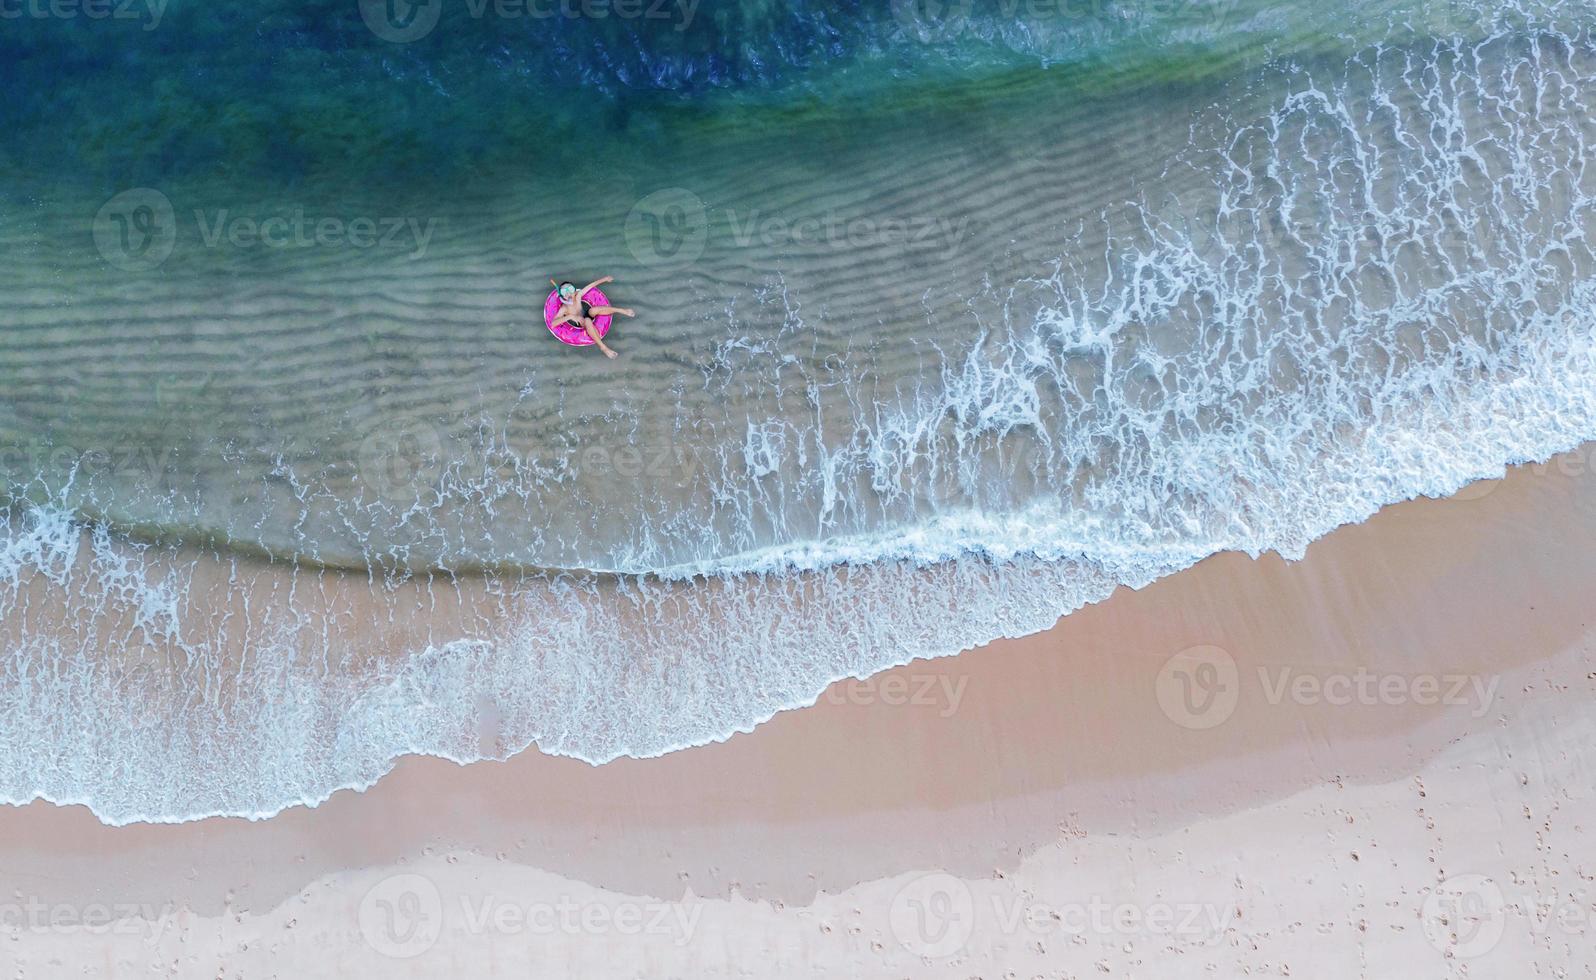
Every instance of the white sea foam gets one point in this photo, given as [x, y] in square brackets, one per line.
[1386, 291]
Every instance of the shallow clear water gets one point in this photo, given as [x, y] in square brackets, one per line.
[944, 328]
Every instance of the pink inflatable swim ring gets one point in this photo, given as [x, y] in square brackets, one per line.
[572, 333]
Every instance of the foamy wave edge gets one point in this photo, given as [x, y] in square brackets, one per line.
[857, 619]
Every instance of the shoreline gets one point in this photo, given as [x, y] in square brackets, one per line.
[992, 766]
[1065, 505]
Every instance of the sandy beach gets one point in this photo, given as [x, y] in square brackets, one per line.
[1372, 762]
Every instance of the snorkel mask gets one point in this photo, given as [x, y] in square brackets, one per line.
[567, 290]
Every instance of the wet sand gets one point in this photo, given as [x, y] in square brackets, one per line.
[1372, 762]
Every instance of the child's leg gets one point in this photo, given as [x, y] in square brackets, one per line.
[593, 333]
[608, 310]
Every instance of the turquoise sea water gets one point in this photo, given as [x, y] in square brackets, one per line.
[952, 317]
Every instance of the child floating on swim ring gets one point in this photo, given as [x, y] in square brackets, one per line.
[575, 309]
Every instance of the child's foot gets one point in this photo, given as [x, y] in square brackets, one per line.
[624, 311]
[609, 353]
